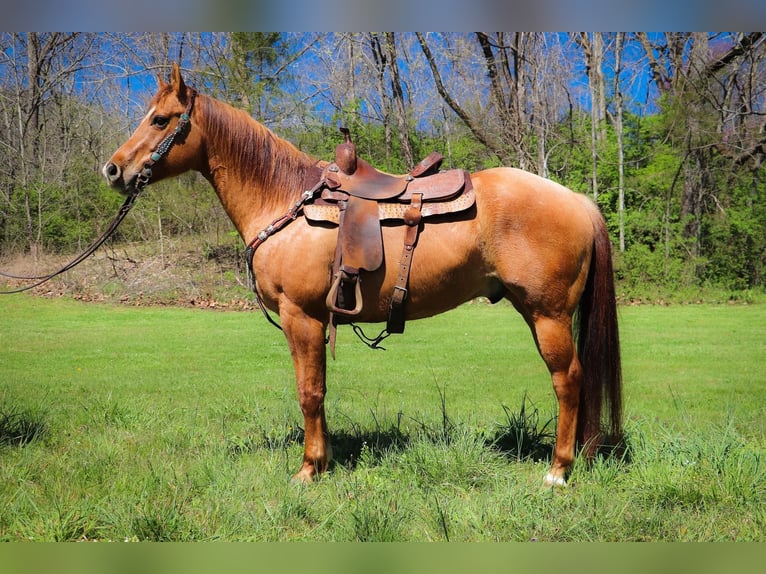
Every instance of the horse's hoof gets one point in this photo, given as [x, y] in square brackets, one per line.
[552, 481]
[301, 479]
[303, 476]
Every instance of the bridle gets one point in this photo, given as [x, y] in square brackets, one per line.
[142, 180]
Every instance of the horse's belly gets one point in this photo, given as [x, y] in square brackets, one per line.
[447, 270]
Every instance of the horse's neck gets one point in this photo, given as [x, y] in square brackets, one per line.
[256, 174]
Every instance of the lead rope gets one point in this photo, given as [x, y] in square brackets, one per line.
[40, 279]
[249, 253]
[372, 342]
[142, 180]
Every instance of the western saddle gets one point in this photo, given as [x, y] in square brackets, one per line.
[357, 197]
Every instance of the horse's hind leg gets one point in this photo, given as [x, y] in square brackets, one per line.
[556, 345]
[305, 337]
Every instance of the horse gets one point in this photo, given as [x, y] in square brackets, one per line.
[527, 239]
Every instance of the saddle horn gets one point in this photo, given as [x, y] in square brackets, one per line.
[345, 153]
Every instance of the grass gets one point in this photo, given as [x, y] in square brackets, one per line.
[121, 423]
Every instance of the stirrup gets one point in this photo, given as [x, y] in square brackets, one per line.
[332, 297]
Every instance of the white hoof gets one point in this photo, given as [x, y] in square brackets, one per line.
[552, 480]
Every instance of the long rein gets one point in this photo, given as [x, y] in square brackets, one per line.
[142, 180]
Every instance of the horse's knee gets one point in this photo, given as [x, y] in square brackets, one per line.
[311, 402]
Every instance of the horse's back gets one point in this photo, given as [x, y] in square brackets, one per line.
[526, 194]
[527, 203]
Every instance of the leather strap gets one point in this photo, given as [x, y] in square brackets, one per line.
[332, 295]
[412, 218]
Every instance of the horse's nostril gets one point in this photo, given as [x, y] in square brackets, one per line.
[112, 172]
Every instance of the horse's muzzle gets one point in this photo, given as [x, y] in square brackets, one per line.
[113, 174]
[115, 177]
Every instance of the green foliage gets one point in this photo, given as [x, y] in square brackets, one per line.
[250, 82]
[58, 201]
[729, 251]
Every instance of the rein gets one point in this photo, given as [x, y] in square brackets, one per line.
[142, 180]
[40, 279]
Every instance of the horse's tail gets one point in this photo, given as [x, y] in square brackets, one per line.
[598, 344]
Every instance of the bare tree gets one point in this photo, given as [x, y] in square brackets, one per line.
[526, 93]
[618, 128]
[400, 111]
[491, 141]
[36, 105]
[593, 48]
[701, 80]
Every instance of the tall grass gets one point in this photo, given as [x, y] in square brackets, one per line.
[122, 423]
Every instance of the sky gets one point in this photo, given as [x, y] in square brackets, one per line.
[139, 81]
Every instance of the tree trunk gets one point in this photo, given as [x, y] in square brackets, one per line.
[379, 58]
[30, 134]
[696, 177]
[594, 57]
[400, 112]
[520, 93]
[620, 147]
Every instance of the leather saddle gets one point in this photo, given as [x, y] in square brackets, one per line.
[357, 197]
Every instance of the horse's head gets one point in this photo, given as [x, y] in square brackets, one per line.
[164, 144]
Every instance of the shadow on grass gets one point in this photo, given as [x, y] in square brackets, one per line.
[19, 427]
[523, 436]
[279, 438]
[613, 447]
[349, 447]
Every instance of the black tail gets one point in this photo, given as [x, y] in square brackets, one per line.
[598, 345]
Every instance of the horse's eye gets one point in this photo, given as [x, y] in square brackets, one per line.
[160, 121]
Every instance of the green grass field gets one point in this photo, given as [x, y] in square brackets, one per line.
[122, 423]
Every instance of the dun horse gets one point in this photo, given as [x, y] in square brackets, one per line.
[527, 239]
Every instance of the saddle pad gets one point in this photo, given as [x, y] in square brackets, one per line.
[330, 212]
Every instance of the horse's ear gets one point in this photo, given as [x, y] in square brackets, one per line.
[177, 82]
[161, 83]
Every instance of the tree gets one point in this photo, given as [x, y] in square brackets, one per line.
[38, 69]
[397, 92]
[513, 108]
[700, 77]
[593, 48]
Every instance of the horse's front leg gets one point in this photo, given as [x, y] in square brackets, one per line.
[306, 339]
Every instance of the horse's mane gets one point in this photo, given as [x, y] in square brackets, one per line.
[258, 157]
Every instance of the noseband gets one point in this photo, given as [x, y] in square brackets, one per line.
[142, 180]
